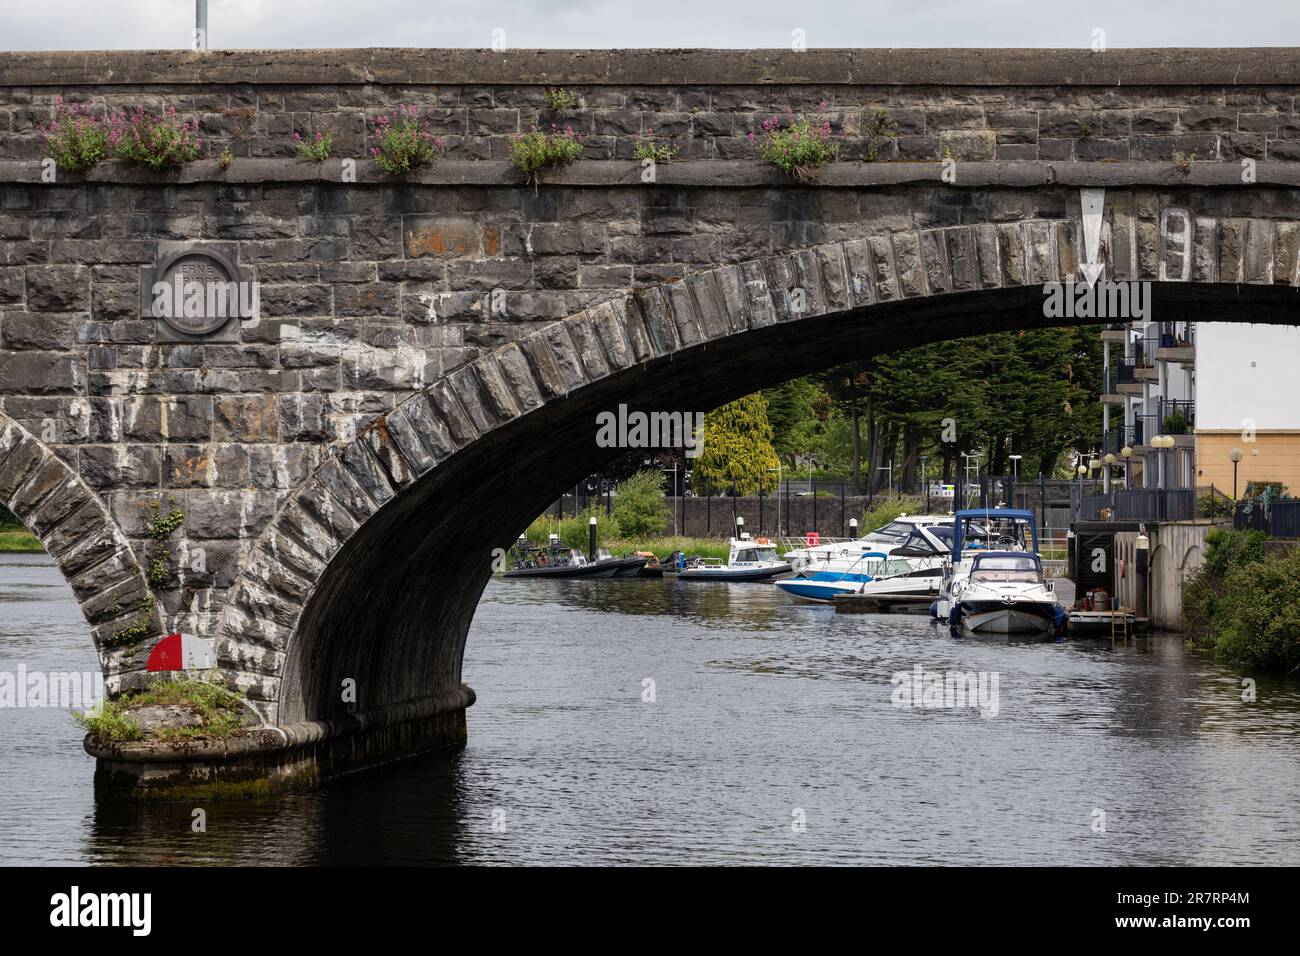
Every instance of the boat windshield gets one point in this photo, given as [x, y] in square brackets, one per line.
[1007, 568]
[894, 531]
[891, 567]
[756, 554]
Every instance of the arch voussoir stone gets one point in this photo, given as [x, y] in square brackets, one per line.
[89, 548]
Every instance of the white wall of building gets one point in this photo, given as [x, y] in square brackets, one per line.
[1247, 372]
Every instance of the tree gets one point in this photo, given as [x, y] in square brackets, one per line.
[799, 411]
[738, 447]
[639, 507]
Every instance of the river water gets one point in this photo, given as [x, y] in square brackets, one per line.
[772, 738]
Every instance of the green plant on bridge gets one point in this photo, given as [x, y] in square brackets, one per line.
[317, 149]
[159, 527]
[160, 142]
[557, 99]
[880, 130]
[137, 630]
[75, 139]
[797, 146]
[1185, 163]
[403, 141]
[534, 151]
[220, 711]
[646, 147]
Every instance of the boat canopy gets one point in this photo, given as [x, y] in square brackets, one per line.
[989, 518]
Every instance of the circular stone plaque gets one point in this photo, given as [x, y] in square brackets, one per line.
[206, 269]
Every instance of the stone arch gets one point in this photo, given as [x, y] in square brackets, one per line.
[86, 543]
[795, 309]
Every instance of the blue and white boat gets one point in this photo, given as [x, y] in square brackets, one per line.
[819, 585]
[915, 561]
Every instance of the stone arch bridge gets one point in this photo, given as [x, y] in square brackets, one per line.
[431, 351]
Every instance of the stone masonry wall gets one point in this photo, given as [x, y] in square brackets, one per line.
[370, 291]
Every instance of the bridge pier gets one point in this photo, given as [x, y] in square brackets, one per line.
[262, 760]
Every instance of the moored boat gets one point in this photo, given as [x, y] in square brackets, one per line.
[557, 561]
[747, 560]
[1002, 591]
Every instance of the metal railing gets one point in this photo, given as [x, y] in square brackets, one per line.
[1144, 352]
[1137, 504]
[1177, 416]
[1120, 436]
[1278, 519]
[1174, 334]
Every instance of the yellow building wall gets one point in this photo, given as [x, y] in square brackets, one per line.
[1272, 456]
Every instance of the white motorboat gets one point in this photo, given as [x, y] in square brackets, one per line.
[920, 556]
[820, 584]
[747, 560]
[993, 582]
[1006, 593]
[884, 538]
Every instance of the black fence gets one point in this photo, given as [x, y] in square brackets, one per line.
[1136, 504]
[1279, 519]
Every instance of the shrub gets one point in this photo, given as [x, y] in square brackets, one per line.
[404, 142]
[1203, 592]
[573, 531]
[76, 140]
[881, 129]
[318, 149]
[1258, 617]
[639, 507]
[220, 710]
[889, 509]
[534, 151]
[800, 146]
[646, 148]
[155, 142]
[225, 159]
[1213, 506]
[1228, 549]
[558, 99]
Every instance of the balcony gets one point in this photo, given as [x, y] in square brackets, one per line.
[1116, 332]
[1121, 383]
[1173, 417]
[1144, 360]
[1120, 436]
[1177, 343]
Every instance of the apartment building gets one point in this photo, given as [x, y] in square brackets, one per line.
[1181, 400]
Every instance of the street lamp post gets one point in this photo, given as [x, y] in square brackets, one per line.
[1126, 453]
[1235, 457]
[926, 485]
[969, 456]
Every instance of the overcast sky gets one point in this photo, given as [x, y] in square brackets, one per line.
[234, 24]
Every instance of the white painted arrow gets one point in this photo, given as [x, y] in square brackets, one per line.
[1093, 202]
